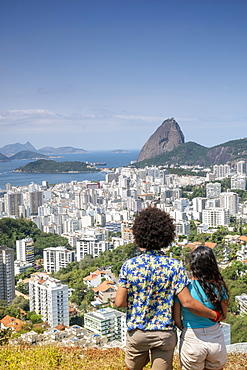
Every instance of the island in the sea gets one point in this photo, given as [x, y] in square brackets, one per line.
[119, 151]
[49, 166]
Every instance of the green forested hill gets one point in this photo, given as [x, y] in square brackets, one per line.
[15, 229]
[3, 158]
[27, 154]
[49, 166]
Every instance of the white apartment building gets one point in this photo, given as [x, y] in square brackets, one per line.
[181, 204]
[7, 279]
[20, 266]
[183, 228]
[25, 250]
[226, 329]
[238, 182]
[241, 300]
[108, 322]
[49, 298]
[90, 245]
[56, 258]
[242, 167]
[214, 217]
[199, 204]
[230, 201]
[213, 190]
[221, 171]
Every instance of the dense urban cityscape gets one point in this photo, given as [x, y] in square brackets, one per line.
[95, 217]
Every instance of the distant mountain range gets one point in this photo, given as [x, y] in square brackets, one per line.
[12, 149]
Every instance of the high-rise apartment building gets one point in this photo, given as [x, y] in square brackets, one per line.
[242, 167]
[230, 201]
[199, 204]
[7, 279]
[221, 171]
[25, 250]
[49, 298]
[12, 201]
[90, 245]
[182, 227]
[34, 199]
[108, 322]
[214, 217]
[238, 182]
[213, 189]
[56, 258]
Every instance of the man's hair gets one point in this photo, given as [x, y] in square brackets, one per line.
[153, 229]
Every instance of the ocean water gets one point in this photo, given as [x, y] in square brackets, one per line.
[112, 160]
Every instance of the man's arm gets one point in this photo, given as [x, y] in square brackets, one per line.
[121, 297]
[194, 306]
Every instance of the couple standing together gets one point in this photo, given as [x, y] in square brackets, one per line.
[159, 296]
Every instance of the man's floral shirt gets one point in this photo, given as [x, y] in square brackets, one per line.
[152, 280]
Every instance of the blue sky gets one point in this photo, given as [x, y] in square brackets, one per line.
[104, 74]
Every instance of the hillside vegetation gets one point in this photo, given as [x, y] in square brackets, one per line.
[55, 358]
[16, 229]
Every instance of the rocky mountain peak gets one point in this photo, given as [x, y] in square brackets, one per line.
[166, 138]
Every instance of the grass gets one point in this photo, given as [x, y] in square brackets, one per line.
[75, 358]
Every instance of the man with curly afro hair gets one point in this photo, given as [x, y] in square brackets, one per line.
[147, 286]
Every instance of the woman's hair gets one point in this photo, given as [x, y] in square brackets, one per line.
[204, 268]
[153, 229]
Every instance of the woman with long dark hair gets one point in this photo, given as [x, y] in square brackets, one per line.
[202, 343]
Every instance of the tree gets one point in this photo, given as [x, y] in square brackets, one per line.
[21, 287]
[20, 303]
[5, 334]
[238, 328]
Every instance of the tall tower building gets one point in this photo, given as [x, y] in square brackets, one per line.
[242, 167]
[12, 201]
[230, 201]
[7, 279]
[25, 250]
[34, 199]
[199, 204]
[49, 298]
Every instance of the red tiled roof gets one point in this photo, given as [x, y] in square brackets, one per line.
[103, 287]
[12, 322]
[243, 238]
[93, 275]
[210, 245]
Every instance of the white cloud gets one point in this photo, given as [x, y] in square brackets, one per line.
[43, 90]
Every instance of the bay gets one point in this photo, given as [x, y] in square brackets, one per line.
[111, 160]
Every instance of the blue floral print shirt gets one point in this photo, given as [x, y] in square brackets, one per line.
[152, 280]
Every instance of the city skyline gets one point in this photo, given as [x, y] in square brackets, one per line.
[104, 75]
